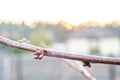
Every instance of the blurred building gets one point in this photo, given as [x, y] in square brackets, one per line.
[24, 67]
[94, 40]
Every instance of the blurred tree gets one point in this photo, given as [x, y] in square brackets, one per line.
[15, 32]
[41, 34]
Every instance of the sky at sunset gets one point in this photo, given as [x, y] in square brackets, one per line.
[73, 11]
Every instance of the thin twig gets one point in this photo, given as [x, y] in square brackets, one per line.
[78, 67]
[52, 53]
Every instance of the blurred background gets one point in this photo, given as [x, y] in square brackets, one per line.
[88, 40]
[88, 27]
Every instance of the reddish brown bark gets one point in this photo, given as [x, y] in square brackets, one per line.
[87, 59]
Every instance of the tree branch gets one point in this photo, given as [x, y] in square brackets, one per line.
[86, 59]
[78, 67]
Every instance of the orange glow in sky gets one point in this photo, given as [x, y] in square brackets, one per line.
[72, 11]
